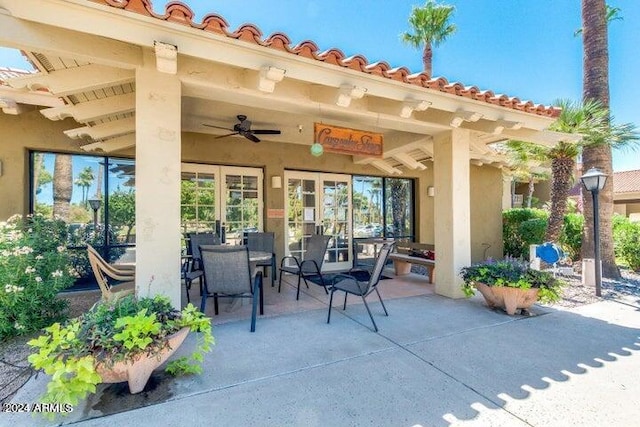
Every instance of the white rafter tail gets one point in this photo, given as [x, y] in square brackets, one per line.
[501, 125]
[348, 92]
[110, 145]
[93, 110]
[104, 130]
[461, 116]
[385, 167]
[268, 78]
[411, 105]
[408, 161]
[476, 162]
[10, 106]
[166, 57]
[73, 80]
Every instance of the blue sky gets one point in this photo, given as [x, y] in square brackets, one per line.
[522, 48]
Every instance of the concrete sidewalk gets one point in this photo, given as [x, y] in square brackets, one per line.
[435, 362]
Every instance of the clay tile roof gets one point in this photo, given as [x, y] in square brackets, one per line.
[626, 182]
[180, 13]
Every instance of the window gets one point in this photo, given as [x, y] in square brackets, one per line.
[94, 195]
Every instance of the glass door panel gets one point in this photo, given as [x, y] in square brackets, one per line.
[242, 205]
[319, 203]
[198, 198]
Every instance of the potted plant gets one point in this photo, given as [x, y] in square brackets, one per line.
[123, 340]
[511, 284]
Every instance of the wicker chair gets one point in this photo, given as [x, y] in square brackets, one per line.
[310, 266]
[350, 285]
[104, 271]
[227, 274]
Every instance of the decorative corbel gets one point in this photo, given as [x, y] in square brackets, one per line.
[411, 105]
[269, 76]
[348, 92]
[501, 125]
[461, 116]
[10, 106]
[166, 57]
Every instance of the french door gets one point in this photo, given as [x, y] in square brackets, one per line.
[319, 203]
[216, 198]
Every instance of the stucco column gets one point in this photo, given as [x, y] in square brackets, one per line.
[158, 104]
[507, 183]
[451, 211]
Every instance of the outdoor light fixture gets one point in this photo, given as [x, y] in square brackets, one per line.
[316, 149]
[594, 181]
[95, 205]
[276, 181]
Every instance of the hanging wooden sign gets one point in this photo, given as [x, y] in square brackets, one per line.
[348, 141]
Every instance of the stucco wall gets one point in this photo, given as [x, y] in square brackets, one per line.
[486, 212]
[31, 131]
[19, 134]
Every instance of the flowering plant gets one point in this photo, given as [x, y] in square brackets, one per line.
[34, 267]
[511, 273]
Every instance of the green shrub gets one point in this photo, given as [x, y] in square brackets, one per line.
[626, 239]
[34, 267]
[516, 242]
[571, 235]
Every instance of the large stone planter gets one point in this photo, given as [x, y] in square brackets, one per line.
[508, 298]
[137, 372]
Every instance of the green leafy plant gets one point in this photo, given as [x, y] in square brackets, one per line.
[110, 332]
[626, 237]
[512, 273]
[34, 267]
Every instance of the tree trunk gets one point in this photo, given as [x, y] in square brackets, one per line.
[62, 186]
[38, 158]
[561, 172]
[427, 60]
[596, 87]
[530, 192]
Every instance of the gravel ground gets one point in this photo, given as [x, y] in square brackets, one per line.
[15, 370]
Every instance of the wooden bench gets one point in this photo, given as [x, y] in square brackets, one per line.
[402, 260]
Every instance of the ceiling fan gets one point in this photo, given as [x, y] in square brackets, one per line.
[244, 128]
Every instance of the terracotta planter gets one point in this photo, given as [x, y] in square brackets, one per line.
[137, 372]
[508, 298]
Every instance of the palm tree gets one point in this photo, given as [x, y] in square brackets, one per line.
[430, 26]
[62, 186]
[84, 181]
[595, 69]
[523, 155]
[592, 121]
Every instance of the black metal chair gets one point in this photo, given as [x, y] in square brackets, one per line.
[227, 274]
[316, 248]
[192, 263]
[351, 285]
[264, 242]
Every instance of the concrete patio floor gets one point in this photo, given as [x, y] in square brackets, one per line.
[434, 362]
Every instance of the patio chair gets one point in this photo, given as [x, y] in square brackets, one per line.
[310, 266]
[192, 263]
[350, 285]
[264, 242]
[103, 271]
[227, 274]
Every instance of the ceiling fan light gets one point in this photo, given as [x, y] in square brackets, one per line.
[317, 149]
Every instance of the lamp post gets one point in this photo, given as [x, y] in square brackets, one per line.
[95, 205]
[594, 181]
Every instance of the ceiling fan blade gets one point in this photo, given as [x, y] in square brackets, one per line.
[217, 127]
[250, 136]
[266, 132]
[224, 136]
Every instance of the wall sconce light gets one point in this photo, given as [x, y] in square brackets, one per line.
[430, 191]
[276, 181]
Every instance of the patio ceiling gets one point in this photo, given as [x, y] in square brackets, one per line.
[95, 78]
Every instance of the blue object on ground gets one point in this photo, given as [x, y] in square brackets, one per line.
[549, 253]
